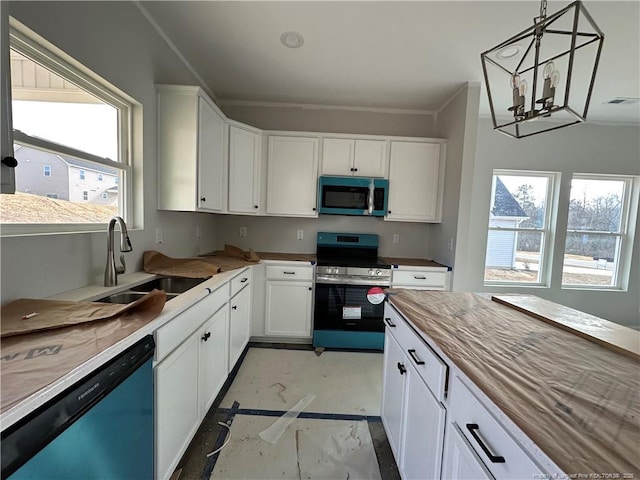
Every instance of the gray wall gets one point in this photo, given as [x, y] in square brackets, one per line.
[279, 234]
[583, 149]
[115, 41]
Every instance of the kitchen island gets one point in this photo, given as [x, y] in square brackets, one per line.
[521, 398]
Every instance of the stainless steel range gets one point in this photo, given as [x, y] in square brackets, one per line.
[348, 309]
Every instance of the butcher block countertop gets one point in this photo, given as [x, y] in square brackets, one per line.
[578, 401]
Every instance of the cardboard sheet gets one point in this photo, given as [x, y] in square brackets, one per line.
[31, 361]
[204, 266]
[27, 315]
[578, 401]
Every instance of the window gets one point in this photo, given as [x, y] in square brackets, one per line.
[64, 118]
[596, 230]
[519, 228]
[105, 195]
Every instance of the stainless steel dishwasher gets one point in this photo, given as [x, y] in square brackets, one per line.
[100, 428]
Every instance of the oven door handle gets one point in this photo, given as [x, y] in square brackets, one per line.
[376, 282]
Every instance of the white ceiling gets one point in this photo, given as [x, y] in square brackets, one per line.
[386, 54]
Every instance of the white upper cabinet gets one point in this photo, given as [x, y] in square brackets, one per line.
[416, 177]
[191, 151]
[292, 176]
[244, 170]
[354, 157]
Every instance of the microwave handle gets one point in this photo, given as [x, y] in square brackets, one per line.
[372, 188]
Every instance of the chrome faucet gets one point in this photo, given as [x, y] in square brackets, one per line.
[112, 270]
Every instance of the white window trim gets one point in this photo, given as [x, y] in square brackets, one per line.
[547, 230]
[34, 46]
[626, 234]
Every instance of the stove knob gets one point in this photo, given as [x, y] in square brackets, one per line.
[371, 272]
[378, 272]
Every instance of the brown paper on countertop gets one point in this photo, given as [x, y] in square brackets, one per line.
[232, 257]
[578, 401]
[156, 262]
[31, 362]
[59, 313]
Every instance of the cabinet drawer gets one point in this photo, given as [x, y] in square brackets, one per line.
[415, 278]
[240, 281]
[173, 333]
[427, 363]
[497, 449]
[288, 272]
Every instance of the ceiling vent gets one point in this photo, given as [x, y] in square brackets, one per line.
[623, 101]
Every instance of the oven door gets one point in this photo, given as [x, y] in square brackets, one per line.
[346, 307]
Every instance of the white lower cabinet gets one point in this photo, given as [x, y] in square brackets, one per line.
[177, 413]
[212, 359]
[460, 461]
[288, 308]
[240, 324]
[288, 300]
[414, 420]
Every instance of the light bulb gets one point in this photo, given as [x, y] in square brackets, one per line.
[548, 69]
[555, 78]
[523, 87]
[515, 81]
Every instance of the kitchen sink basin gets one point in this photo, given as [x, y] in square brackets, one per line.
[169, 284]
[128, 297]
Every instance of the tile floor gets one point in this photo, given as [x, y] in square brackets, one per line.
[338, 435]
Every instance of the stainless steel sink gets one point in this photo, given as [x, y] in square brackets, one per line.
[169, 284]
[128, 297]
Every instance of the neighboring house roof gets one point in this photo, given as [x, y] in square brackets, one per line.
[69, 160]
[504, 204]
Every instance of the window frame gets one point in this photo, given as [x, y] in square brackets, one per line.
[31, 45]
[625, 234]
[46, 170]
[547, 230]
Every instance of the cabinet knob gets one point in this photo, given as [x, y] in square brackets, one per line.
[402, 368]
[235, 307]
[310, 288]
[314, 209]
[255, 206]
[355, 169]
[352, 169]
[203, 199]
[389, 212]
[206, 336]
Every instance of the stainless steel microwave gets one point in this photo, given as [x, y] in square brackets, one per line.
[353, 196]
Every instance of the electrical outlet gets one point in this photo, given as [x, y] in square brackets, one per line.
[300, 234]
[451, 243]
[396, 238]
[158, 235]
[198, 232]
[243, 231]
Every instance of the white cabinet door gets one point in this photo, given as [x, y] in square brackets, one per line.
[415, 190]
[423, 422]
[239, 324]
[244, 171]
[211, 158]
[370, 158]
[349, 157]
[176, 405]
[292, 176]
[288, 308]
[337, 156]
[459, 460]
[393, 392]
[212, 362]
